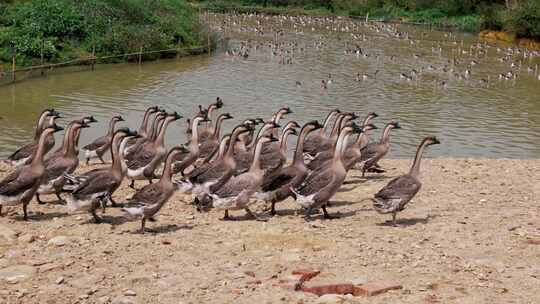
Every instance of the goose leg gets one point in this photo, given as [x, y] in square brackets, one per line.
[273, 209]
[58, 196]
[326, 215]
[25, 217]
[101, 159]
[88, 161]
[39, 199]
[253, 215]
[307, 216]
[113, 203]
[0, 210]
[143, 223]
[97, 219]
[132, 184]
[394, 219]
[226, 216]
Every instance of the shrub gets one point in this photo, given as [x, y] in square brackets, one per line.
[525, 20]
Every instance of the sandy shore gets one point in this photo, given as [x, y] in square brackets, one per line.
[472, 235]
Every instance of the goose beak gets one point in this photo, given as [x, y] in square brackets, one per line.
[436, 141]
[374, 115]
[228, 116]
[85, 125]
[288, 111]
[397, 126]
[259, 120]
[293, 132]
[120, 118]
[133, 133]
[176, 116]
[56, 128]
[273, 139]
[356, 128]
[370, 127]
[91, 119]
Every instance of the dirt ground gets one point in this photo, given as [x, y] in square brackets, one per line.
[472, 235]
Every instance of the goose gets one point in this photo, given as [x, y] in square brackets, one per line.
[315, 139]
[20, 186]
[236, 193]
[400, 190]
[91, 188]
[321, 185]
[353, 152]
[101, 145]
[150, 134]
[211, 143]
[277, 187]
[142, 164]
[243, 155]
[143, 129]
[76, 135]
[56, 165]
[151, 198]
[209, 130]
[275, 155]
[23, 156]
[324, 157]
[210, 176]
[193, 147]
[374, 152]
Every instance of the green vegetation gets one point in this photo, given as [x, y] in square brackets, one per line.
[519, 16]
[61, 30]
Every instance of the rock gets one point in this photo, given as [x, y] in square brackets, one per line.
[58, 240]
[17, 273]
[375, 288]
[130, 293]
[27, 238]
[60, 280]
[331, 299]
[103, 300]
[122, 300]
[340, 289]
[291, 257]
[7, 235]
[359, 281]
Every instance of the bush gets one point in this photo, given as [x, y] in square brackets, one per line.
[525, 20]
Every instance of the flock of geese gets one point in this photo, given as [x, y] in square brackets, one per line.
[225, 172]
[420, 58]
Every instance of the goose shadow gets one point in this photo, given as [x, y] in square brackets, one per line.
[163, 229]
[38, 217]
[349, 203]
[408, 221]
[333, 215]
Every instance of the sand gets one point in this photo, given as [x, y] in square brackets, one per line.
[472, 235]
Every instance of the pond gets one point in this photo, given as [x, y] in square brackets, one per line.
[472, 114]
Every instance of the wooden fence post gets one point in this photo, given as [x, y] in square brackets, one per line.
[93, 55]
[140, 54]
[42, 57]
[13, 63]
[209, 46]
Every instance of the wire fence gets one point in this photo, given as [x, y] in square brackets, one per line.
[15, 73]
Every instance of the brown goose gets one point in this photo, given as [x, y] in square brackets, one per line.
[400, 190]
[101, 145]
[273, 159]
[150, 136]
[321, 185]
[209, 130]
[278, 186]
[236, 193]
[23, 156]
[151, 198]
[76, 135]
[210, 176]
[143, 129]
[278, 116]
[316, 139]
[353, 152]
[193, 150]
[143, 163]
[374, 152]
[20, 186]
[209, 145]
[91, 188]
[56, 166]
[244, 156]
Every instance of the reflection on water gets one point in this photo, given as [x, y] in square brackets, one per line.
[470, 119]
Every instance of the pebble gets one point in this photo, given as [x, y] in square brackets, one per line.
[130, 293]
[331, 299]
[60, 280]
[17, 273]
[27, 238]
[58, 241]
[122, 300]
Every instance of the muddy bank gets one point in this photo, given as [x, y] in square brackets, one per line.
[510, 38]
[472, 235]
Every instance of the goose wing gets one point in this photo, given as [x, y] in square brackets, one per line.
[235, 185]
[312, 143]
[141, 158]
[17, 182]
[23, 152]
[101, 141]
[404, 186]
[95, 183]
[321, 159]
[316, 181]
[369, 151]
[148, 194]
[280, 179]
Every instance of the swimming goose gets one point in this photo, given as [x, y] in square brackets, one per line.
[57, 165]
[315, 139]
[211, 143]
[400, 190]
[236, 193]
[210, 176]
[374, 152]
[321, 185]
[142, 164]
[91, 188]
[101, 145]
[277, 187]
[23, 156]
[151, 198]
[20, 186]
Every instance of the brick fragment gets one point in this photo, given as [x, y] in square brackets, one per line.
[375, 288]
[320, 290]
[306, 274]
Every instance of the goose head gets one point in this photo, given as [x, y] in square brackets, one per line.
[369, 117]
[368, 127]
[291, 125]
[219, 103]
[174, 116]
[118, 118]
[259, 120]
[314, 124]
[88, 119]
[226, 116]
[431, 140]
[54, 128]
[394, 125]
[178, 150]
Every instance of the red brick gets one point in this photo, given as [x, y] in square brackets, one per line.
[375, 288]
[306, 274]
[330, 289]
